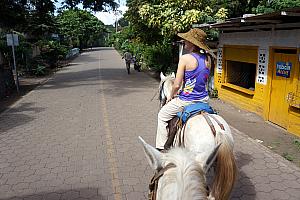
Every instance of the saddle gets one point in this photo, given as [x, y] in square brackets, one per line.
[188, 112]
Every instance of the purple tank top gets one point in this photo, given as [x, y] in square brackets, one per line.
[195, 82]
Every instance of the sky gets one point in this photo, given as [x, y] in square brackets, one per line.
[106, 17]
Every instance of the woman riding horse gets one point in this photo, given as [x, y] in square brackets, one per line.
[193, 72]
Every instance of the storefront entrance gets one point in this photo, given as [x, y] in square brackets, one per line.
[283, 67]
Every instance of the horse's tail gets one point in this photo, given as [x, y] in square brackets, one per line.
[226, 169]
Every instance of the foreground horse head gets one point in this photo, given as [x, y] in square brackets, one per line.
[183, 177]
[165, 87]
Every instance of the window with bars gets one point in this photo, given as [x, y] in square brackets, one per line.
[241, 74]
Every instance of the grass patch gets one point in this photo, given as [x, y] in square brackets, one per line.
[296, 142]
[274, 145]
[288, 156]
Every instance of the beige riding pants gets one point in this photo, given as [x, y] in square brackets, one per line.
[166, 113]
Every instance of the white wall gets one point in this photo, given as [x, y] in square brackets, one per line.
[263, 39]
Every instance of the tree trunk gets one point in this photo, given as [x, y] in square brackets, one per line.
[2, 84]
[7, 83]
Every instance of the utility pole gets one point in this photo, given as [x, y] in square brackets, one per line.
[13, 40]
[117, 12]
[116, 23]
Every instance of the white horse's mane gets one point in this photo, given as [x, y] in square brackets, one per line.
[165, 85]
[187, 175]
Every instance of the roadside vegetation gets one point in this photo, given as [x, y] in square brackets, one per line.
[153, 25]
[48, 36]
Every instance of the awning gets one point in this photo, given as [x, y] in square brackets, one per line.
[286, 19]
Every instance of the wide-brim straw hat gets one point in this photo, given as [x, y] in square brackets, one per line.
[196, 36]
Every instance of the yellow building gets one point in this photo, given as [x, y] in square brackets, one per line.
[258, 66]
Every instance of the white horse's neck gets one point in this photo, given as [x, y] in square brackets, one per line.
[168, 82]
[185, 181]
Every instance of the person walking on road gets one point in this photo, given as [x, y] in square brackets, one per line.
[128, 58]
[193, 71]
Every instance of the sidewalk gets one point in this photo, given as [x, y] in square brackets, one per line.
[263, 175]
[270, 135]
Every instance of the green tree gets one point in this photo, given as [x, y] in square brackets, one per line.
[12, 13]
[235, 8]
[275, 5]
[40, 19]
[172, 16]
[123, 22]
[138, 26]
[80, 27]
[34, 17]
[94, 5]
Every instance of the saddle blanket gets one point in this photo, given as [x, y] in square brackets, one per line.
[193, 109]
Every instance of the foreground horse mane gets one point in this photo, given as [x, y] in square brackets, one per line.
[188, 175]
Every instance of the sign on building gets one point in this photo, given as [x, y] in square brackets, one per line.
[283, 69]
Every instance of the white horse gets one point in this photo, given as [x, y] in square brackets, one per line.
[199, 139]
[182, 177]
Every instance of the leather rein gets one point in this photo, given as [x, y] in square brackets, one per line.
[154, 181]
[162, 95]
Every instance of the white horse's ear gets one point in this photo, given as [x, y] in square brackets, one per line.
[153, 155]
[162, 76]
[173, 75]
[211, 159]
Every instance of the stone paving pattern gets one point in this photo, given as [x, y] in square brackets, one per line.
[75, 137]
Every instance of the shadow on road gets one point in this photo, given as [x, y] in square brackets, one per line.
[243, 185]
[116, 81]
[16, 117]
[80, 193]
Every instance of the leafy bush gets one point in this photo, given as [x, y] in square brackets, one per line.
[158, 57]
[40, 70]
[52, 51]
[37, 66]
[266, 6]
